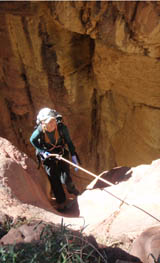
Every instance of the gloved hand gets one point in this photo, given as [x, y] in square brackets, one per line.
[74, 160]
[45, 155]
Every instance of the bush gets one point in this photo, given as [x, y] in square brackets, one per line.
[56, 245]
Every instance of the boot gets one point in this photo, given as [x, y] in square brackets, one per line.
[72, 189]
[61, 207]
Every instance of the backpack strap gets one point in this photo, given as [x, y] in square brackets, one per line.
[45, 139]
[60, 130]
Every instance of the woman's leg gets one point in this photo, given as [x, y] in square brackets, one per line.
[52, 169]
[65, 173]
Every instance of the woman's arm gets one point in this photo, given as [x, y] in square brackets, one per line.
[35, 140]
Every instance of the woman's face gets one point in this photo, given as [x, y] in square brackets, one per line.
[51, 126]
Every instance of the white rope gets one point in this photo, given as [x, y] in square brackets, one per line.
[59, 157]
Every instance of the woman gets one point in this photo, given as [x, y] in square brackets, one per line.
[50, 137]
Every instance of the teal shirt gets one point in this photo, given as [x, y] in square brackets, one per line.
[41, 145]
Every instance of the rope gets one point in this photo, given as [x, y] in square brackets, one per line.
[59, 157]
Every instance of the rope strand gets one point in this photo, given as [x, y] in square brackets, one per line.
[59, 157]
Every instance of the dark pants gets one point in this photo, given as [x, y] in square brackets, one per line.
[56, 171]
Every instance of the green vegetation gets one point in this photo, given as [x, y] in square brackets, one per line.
[56, 245]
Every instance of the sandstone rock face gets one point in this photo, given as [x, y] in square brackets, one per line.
[20, 181]
[95, 62]
[146, 246]
[113, 214]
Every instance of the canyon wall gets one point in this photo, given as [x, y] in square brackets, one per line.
[97, 63]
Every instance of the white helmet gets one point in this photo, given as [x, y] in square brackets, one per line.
[43, 114]
[46, 113]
